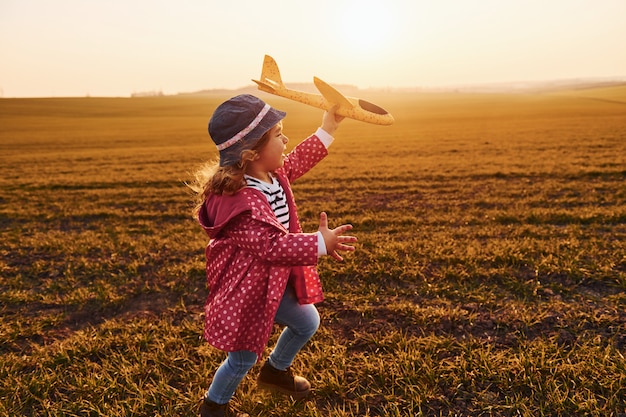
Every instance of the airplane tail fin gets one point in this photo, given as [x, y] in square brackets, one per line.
[270, 76]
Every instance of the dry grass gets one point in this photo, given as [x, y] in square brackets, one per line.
[489, 279]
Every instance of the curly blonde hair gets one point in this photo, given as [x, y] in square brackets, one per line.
[211, 178]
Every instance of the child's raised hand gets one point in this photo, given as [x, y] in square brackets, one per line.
[330, 121]
[334, 239]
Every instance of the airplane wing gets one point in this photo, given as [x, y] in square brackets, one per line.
[331, 94]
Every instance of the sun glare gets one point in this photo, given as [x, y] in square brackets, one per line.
[365, 26]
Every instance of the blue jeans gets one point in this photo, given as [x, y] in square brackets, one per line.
[301, 321]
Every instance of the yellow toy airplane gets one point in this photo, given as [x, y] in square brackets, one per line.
[354, 108]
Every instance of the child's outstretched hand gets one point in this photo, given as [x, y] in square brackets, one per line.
[330, 121]
[334, 239]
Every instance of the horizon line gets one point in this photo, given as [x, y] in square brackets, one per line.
[485, 87]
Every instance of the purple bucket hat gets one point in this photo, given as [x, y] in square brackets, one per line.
[238, 124]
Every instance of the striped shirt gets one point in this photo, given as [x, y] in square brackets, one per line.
[275, 196]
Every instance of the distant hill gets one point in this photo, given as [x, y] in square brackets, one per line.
[306, 87]
[505, 87]
[542, 86]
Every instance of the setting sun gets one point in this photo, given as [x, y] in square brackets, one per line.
[365, 26]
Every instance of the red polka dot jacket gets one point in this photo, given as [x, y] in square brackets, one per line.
[252, 257]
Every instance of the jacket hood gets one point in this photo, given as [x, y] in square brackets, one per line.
[218, 210]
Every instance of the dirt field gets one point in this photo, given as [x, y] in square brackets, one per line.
[489, 278]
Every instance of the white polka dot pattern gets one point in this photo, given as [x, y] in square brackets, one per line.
[252, 257]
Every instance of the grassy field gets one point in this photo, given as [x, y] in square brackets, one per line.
[489, 277]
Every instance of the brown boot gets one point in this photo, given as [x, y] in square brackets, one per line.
[284, 382]
[209, 408]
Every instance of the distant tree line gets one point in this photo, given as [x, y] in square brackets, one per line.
[153, 93]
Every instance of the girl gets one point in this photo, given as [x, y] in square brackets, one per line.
[260, 265]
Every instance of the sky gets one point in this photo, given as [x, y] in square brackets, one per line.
[55, 48]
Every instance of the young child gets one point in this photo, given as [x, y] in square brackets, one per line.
[260, 265]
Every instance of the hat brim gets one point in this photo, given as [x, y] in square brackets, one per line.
[232, 154]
